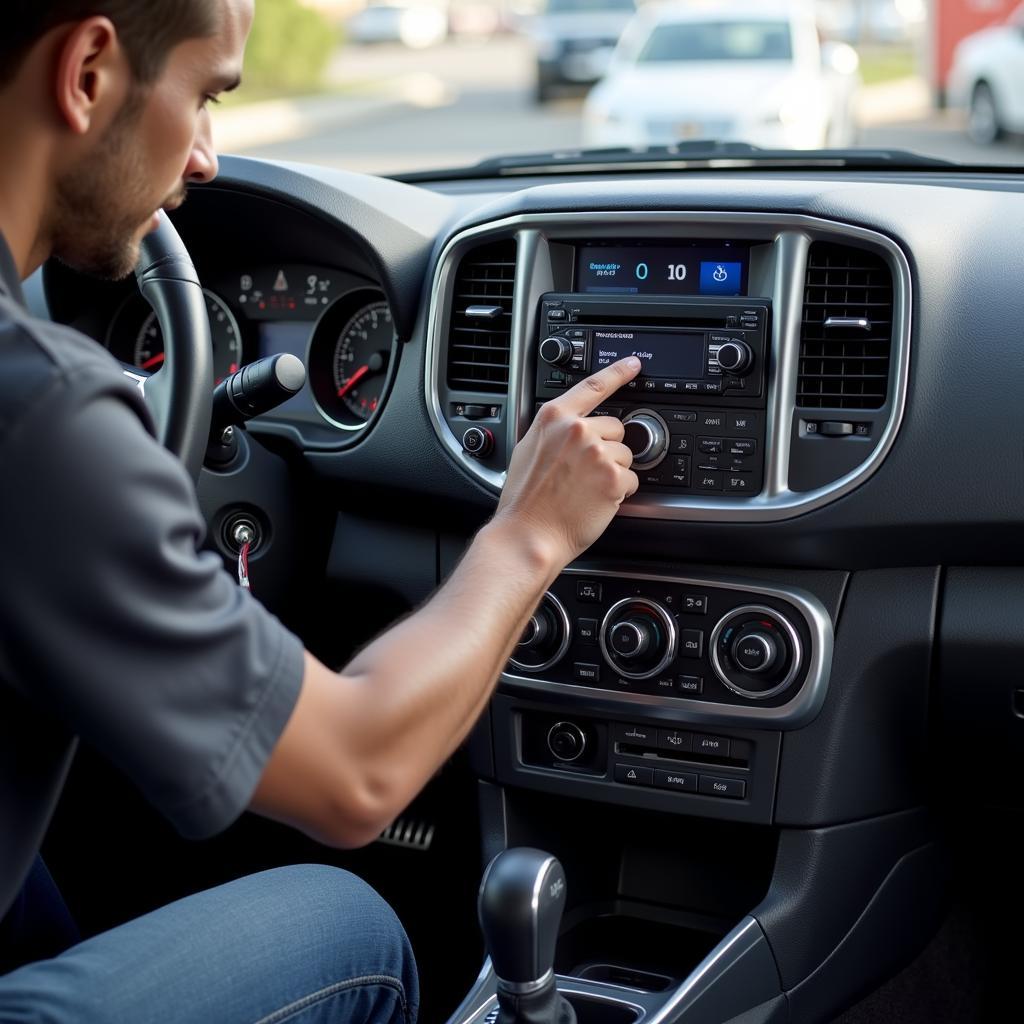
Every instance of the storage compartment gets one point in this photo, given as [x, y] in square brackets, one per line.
[590, 1010]
[633, 946]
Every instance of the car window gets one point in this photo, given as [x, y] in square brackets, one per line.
[715, 41]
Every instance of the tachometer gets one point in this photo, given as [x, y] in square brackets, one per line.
[361, 359]
[349, 358]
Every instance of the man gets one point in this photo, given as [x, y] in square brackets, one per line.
[114, 627]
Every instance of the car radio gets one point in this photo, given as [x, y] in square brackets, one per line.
[695, 415]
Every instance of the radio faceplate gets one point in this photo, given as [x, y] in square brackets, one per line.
[707, 423]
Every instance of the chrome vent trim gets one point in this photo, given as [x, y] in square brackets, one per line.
[480, 331]
[845, 329]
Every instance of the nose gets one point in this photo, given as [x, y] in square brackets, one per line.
[202, 163]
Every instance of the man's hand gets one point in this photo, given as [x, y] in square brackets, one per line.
[359, 746]
[571, 471]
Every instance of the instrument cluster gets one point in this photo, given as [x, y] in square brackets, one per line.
[339, 324]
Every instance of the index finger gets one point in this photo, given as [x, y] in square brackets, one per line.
[586, 396]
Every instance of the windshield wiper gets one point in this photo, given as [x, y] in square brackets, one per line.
[697, 154]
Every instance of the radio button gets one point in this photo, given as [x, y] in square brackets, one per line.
[588, 591]
[743, 447]
[691, 386]
[586, 631]
[692, 643]
[713, 419]
[608, 410]
[680, 473]
[674, 739]
[742, 421]
[738, 482]
[669, 386]
[653, 478]
[648, 384]
[556, 314]
[682, 444]
[708, 480]
[710, 445]
[681, 416]
[695, 604]
[710, 387]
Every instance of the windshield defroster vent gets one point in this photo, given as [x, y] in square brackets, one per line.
[481, 324]
[846, 332]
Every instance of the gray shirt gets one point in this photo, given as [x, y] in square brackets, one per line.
[114, 626]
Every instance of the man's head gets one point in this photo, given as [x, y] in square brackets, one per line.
[116, 93]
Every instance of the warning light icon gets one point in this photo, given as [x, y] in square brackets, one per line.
[280, 282]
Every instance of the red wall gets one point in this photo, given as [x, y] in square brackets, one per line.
[952, 20]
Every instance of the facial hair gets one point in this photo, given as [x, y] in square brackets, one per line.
[102, 205]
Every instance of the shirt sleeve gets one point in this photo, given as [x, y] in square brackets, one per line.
[119, 624]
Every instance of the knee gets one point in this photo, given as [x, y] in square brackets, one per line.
[358, 928]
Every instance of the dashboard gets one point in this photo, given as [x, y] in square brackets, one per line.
[812, 595]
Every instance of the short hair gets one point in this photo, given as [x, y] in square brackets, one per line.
[148, 30]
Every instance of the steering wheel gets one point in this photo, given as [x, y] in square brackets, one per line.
[180, 393]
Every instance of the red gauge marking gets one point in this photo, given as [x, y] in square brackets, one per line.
[154, 361]
[353, 380]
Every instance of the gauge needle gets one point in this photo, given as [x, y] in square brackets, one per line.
[353, 381]
[154, 361]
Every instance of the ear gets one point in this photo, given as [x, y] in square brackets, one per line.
[92, 74]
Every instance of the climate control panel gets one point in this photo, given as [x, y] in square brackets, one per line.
[730, 650]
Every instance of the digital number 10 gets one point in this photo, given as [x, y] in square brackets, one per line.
[677, 271]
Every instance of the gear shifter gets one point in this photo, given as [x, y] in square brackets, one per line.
[522, 897]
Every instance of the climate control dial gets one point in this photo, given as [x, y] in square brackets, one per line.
[638, 638]
[756, 652]
[545, 639]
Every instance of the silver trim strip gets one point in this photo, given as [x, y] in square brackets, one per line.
[791, 634]
[729, 950]
[853, 323]
[802, 708]
[791, 234]
[563, 618]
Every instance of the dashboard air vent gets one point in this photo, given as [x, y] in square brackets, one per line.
[846, 333]
[481, 324]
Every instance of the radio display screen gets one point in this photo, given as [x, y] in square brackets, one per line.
[663, 354]
[681, 269]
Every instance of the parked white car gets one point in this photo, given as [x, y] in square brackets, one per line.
[987, 80]
[739, 72]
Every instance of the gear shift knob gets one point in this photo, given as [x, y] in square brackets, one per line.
[522, 897]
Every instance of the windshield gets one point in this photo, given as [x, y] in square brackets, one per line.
[408, 86]
[718, 41]
[585, 6]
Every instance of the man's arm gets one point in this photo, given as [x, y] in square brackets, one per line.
[360, 745]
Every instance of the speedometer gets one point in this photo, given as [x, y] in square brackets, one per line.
[350, 357]
[134, 336]
[148, 353]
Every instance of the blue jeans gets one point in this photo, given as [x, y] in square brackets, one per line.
[304, 945]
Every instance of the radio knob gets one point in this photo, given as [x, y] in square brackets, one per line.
[735, 357]
[755, 652]
[556, 351]
[646, 436]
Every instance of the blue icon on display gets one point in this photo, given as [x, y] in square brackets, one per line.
[720, 278]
